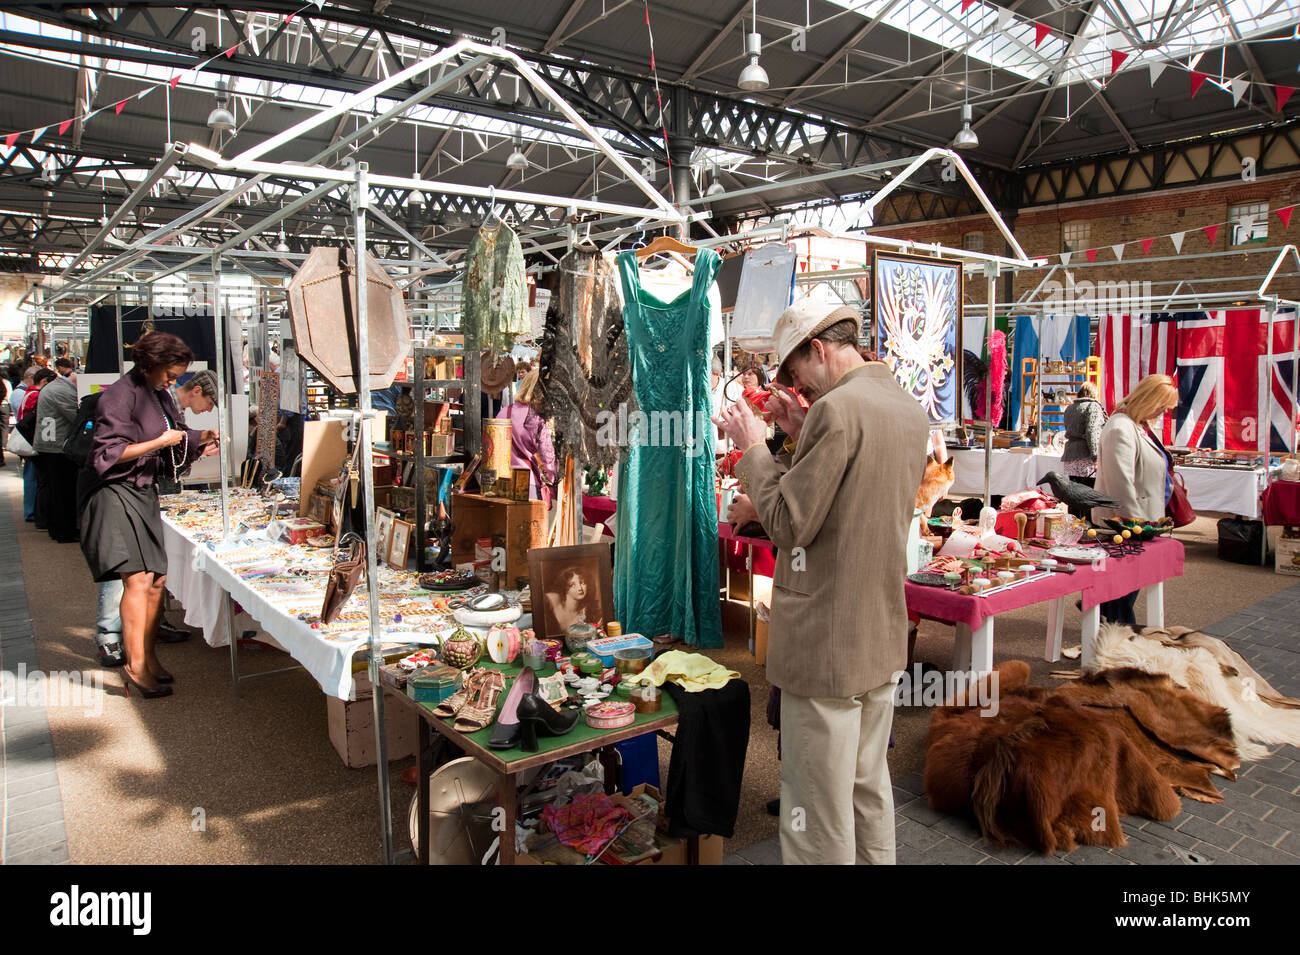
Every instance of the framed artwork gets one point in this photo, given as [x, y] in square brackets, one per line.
[462, 482]
[571, 584]
[383, 531]
[916, 313]
[400, 545]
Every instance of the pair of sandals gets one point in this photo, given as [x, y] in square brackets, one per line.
[474, 706]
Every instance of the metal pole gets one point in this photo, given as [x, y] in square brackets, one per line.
[1265, 426]
[223, 400]
[360, 202]
[991, 275]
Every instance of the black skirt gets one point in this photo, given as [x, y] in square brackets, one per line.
[122, 532]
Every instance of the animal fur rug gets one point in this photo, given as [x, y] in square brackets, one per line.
[1055, 769]
[1215, 672]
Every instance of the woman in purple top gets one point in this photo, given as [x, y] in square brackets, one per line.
[139, 438]
[530, 439]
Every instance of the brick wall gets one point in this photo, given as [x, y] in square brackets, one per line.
[1039, 231]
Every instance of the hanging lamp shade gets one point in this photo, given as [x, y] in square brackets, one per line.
[323, 312]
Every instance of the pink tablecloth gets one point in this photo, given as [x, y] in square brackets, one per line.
[1162, 559]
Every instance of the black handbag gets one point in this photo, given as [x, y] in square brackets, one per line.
[26, 426]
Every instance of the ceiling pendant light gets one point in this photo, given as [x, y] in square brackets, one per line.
[517, 161]
[221, 119]
[283, 246]
[716, 188]
[328, 231]
[753, 77]
[966, 138]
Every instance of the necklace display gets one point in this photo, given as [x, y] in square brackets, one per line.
[177, 464]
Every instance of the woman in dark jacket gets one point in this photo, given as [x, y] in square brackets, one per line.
[1083, 422]
[139, 438]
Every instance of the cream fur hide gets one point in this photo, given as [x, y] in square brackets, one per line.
[1198, 670]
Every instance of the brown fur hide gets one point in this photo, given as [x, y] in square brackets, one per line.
[1055, 769]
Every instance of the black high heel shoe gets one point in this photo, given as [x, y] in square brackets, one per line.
[507, 730]
[146, 692]
[523, 712]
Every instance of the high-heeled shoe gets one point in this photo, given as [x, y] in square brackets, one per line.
[453, 704]
[535, 711]
[162, 676]
[149, 693]
[478, 714]
[508, 730]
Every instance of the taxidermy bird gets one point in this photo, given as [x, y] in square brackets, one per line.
[975, 371]
[1075, 494]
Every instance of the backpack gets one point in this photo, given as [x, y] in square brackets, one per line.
[79, 442]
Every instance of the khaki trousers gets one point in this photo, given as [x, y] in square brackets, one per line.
[837, 800]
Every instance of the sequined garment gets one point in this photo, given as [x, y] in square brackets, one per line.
[495, 299]
[666, 561]
[584, 367]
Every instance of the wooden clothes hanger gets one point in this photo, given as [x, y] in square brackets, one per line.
[665, 243]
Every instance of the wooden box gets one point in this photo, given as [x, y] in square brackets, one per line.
[521, 523]
[352, 726]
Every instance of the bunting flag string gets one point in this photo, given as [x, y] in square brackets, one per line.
[1211, 233]
[11, 139]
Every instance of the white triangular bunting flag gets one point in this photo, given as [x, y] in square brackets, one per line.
[1239, 87]
[1065, 258]
[1118, 250]
[1156, 68]
[1004, 17]
[319, 3]
[1177, 239]
[39, 133]
[144, 92]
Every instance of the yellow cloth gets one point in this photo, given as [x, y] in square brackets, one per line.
[691, 671]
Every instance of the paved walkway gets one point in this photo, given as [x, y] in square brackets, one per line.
[31, 807]
[1258, 821]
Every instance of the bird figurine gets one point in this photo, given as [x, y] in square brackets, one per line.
[1080, 498]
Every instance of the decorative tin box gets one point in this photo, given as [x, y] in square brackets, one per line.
[610, 715]
[604, 648]
[433, 684]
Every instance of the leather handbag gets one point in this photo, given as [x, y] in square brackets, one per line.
[1179, 509]
[343, 579]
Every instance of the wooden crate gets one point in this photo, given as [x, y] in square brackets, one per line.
[521, 523]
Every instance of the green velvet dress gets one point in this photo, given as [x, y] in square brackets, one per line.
[666, 558]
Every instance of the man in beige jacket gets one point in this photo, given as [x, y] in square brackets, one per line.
[838, 515]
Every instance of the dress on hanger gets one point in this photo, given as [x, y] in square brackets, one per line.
[666, 558]
[495, 289]
[584, 368]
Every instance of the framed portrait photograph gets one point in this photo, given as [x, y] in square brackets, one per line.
[400, 545]
[916, 312]
[383, 531]
[571, 585]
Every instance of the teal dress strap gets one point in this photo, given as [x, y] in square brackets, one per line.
[707, 265]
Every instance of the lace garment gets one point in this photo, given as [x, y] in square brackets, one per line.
[584, 367]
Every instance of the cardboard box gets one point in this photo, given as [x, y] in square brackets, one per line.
[1286, 559]
[352, 727]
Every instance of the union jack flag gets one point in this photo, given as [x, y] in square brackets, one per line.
[1232, 394]
[1132, 347]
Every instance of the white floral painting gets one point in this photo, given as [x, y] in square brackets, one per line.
[916, 303]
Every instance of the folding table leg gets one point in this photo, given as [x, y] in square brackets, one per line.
[961, 657]
[1091, 623]
[981, 650]
[1153, 605]
[1055, 626]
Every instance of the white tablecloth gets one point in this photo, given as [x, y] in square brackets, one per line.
[200, 583]
[1208, 489]
[1221, 489]
[1011, 471]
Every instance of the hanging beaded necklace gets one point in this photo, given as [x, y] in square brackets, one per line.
[171, 457]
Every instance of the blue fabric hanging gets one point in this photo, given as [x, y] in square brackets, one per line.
[1074, 346]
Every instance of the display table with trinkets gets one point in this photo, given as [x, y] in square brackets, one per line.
[281, 586]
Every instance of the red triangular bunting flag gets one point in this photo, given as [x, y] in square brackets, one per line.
[10, 140]
[174, 81]
[1285, 216]
[231, 51]
[1146, 246]
[1211, 231]
[63, 127]
[1041, 30]
[1117, 59]
[1283, 94]
[1198, 78]
[965, 5]
[288, 17]
[119, 106]
[1092, 255]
